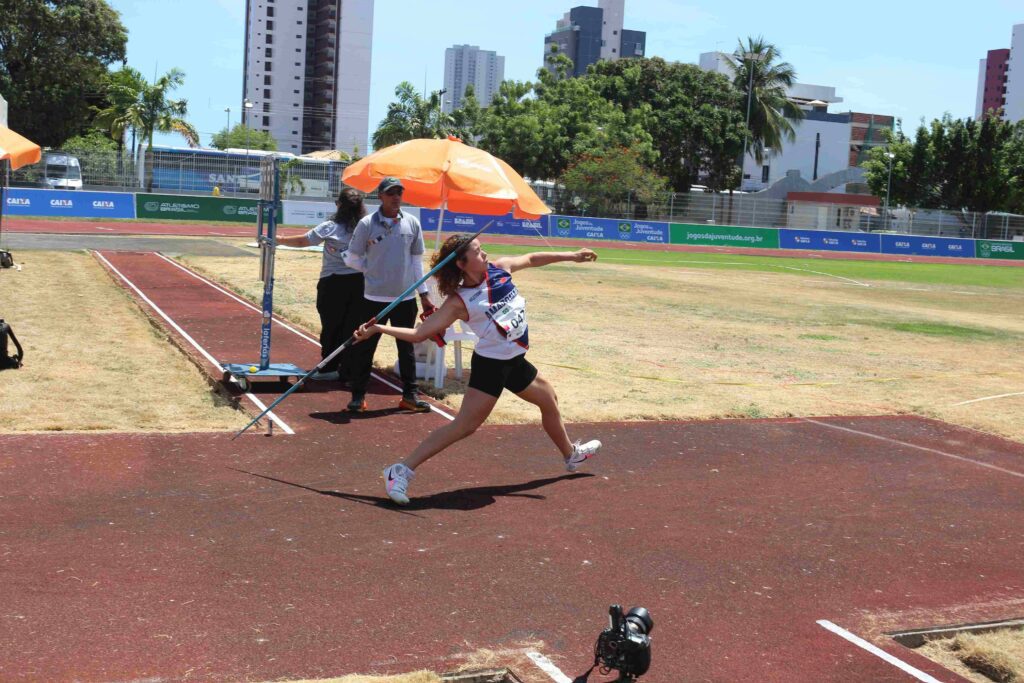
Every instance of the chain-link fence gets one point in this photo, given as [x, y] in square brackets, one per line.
[237, 174]
[751, 210]
[193, 172]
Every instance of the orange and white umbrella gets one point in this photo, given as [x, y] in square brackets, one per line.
[20, 151]
[448, 174]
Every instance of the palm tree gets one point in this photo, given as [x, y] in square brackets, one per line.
[412, 116]
[763, 81]
[152, 111]
[123, 88]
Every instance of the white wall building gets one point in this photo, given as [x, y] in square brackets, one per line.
[307, 72]
[469, 65]
[824, 143]
[611, 27]
[1014, 110]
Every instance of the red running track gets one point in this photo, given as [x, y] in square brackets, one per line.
[196, 557]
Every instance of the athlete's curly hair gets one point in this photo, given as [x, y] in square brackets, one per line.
[450, 276]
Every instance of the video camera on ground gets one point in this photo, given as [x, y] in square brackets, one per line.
[625, 646]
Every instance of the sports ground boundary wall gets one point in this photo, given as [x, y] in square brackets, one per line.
[622, 230]
[130, 205]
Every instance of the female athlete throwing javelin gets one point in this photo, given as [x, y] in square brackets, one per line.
[481, 293]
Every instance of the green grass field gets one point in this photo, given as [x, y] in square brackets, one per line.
[967, 275]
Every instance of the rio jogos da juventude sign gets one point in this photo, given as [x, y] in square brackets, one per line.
[187, 208]
[724, 236]
[999, 249]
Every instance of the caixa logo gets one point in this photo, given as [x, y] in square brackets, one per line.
[62, 203]
[102, 204]
[19, 201]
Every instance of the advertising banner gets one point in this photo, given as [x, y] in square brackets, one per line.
[189, 208]
[619, 230]
[467, 222]
[28, 202]
[825, 240]
[927, 246]
[307, 213]
[725, 236]
[1000, 249]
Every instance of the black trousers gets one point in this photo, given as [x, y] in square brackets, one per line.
[402, 315]
[339, 301]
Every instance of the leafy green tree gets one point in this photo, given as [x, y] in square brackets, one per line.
[466, 119]
[239, 138]
[988, 165]
[604, 179]
[951, 164]
[412, 116]
[98, 156]
[123, 88]
[762, 80]
[1013, 167]
[539, 128]
[512, 127]
[53, 61]
[692, 117]
[920, 170]
[154, 111]
[876, 169]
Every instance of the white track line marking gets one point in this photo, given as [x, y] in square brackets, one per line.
[987, 398]
[861, 643]
[548, 667]
[213, 361]
[302, 334]
[913, 445]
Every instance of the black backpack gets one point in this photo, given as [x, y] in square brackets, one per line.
[8, 362]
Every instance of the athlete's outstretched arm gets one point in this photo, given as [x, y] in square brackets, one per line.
[537, 259]
[451, 310]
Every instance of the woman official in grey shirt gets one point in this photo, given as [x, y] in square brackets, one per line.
[339, 292]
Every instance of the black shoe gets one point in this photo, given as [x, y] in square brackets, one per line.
[413, 403]
[357, 404]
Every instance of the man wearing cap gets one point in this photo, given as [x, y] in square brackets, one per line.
[387, 246]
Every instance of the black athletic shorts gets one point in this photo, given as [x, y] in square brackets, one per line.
[491, 375]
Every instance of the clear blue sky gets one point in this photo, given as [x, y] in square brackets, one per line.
[882, 56]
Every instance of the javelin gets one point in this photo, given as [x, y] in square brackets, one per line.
[348, 342]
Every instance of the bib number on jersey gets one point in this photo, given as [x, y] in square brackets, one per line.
[511, 321]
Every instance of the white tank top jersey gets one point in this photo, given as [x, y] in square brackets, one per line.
[497, 314]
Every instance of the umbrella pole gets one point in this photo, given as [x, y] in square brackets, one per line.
[440, 220]
[3, 201]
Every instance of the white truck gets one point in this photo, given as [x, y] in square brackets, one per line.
[61, 171]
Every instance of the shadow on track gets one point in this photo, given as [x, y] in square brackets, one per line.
[471, 498]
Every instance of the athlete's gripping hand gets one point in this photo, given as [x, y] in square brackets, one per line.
[584, 255]
[365, 331]
[428, 310]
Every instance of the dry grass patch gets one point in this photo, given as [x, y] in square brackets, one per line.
[982, 657]
[93, 361]
[636, 342]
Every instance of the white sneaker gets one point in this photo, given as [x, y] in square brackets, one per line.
[396, 482]
[581, 452]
